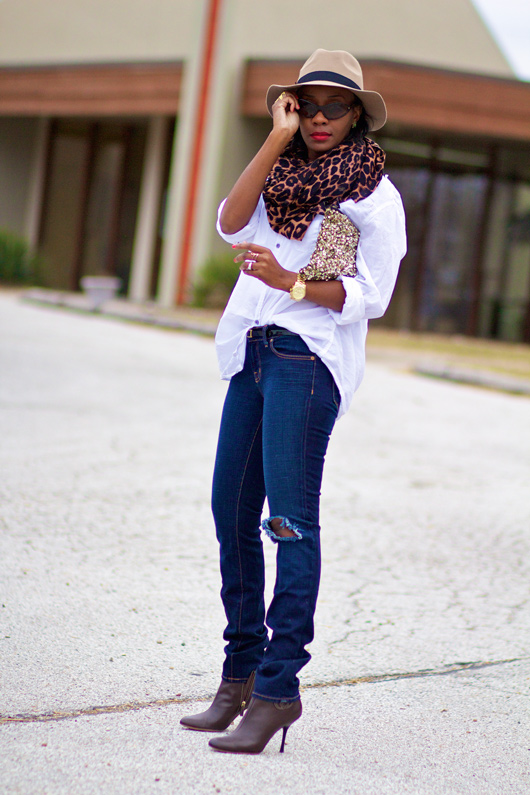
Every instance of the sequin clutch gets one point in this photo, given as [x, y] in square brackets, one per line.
[336, 249]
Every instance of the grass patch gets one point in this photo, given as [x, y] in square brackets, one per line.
[18, 264]
[215, 282]
[506, 358]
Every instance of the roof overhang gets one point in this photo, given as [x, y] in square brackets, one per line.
[438, 100]
[91, 90]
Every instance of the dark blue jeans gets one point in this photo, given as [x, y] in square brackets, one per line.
[277, 419]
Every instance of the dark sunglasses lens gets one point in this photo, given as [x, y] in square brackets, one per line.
[307, 109]
[335, 110]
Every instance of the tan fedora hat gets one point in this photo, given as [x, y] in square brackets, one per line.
[335, 68]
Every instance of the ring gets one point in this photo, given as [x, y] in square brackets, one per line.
[282, 95]
[248, 263]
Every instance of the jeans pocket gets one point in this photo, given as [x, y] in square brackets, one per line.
[291, 347]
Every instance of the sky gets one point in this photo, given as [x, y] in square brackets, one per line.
[509, 21]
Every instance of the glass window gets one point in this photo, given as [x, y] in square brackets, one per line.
[451, 247]
[515, 295]
[90, 207]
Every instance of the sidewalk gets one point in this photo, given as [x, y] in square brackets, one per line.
[483, 363]
[110, 618]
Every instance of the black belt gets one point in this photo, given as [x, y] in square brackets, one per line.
[269, 331]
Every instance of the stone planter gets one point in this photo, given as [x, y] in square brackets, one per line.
[99, 289]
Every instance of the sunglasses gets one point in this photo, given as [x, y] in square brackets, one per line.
[334, 110]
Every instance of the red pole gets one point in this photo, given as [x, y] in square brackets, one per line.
[210, 40]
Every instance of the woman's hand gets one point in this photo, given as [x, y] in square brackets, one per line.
[244, 196]
[285, 114]
[260, 263]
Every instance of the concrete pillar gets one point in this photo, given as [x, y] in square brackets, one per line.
[36, 183]
[179, 225]
[148, 208]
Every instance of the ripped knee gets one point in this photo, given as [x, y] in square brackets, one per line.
[279, 528]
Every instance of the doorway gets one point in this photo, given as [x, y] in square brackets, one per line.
[90, 200]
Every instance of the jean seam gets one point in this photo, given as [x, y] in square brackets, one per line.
[304, 446]
[275, 698]
[237, 533]
[234, 680]
[335, 392]
[257, 375]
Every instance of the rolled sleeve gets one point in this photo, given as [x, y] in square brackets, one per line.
[248, 232]
[363, 299]
[353, 309]
[382, 245]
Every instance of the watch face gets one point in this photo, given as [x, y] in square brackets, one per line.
[298, 291]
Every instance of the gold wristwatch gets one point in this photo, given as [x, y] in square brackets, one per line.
[297, 291]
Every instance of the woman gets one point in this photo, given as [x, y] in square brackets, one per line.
[293, 350]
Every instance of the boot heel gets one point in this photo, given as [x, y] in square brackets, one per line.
[260, 723]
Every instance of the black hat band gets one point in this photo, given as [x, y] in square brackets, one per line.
[334, 77]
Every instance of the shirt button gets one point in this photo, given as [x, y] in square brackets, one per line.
[277, 245]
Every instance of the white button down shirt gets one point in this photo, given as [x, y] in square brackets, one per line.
[338, 338]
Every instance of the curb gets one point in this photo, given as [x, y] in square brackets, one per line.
[201, 321]
[513, 386]
[122, 309]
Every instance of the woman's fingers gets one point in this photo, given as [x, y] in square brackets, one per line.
[284, 112]
[292, 101]
[287, 101]
[249, 256]
[252, 247]
[260, 262]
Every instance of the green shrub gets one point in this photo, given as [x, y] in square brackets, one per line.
[18, 264]
[215, 281]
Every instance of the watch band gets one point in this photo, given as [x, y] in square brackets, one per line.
[298, 290]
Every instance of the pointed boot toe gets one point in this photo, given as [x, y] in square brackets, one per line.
[260, 723]
[231, 700]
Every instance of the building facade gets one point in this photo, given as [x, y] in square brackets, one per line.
[122, 125]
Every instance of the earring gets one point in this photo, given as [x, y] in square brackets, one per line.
[354, 125]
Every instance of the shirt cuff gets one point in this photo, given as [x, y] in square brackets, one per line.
[363, 300]
[244, 235]
[353, 309]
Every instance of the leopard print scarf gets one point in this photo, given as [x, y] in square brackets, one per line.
[296, 190]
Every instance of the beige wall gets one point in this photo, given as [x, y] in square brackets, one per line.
[446, 33]
[440, 33]
[87, 31]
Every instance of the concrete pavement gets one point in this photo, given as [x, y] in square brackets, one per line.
[110, 619]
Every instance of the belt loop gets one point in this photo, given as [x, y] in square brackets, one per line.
[264, 335]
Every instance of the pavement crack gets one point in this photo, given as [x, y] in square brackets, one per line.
[105, 709]
[422, 673]
[132, 706]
